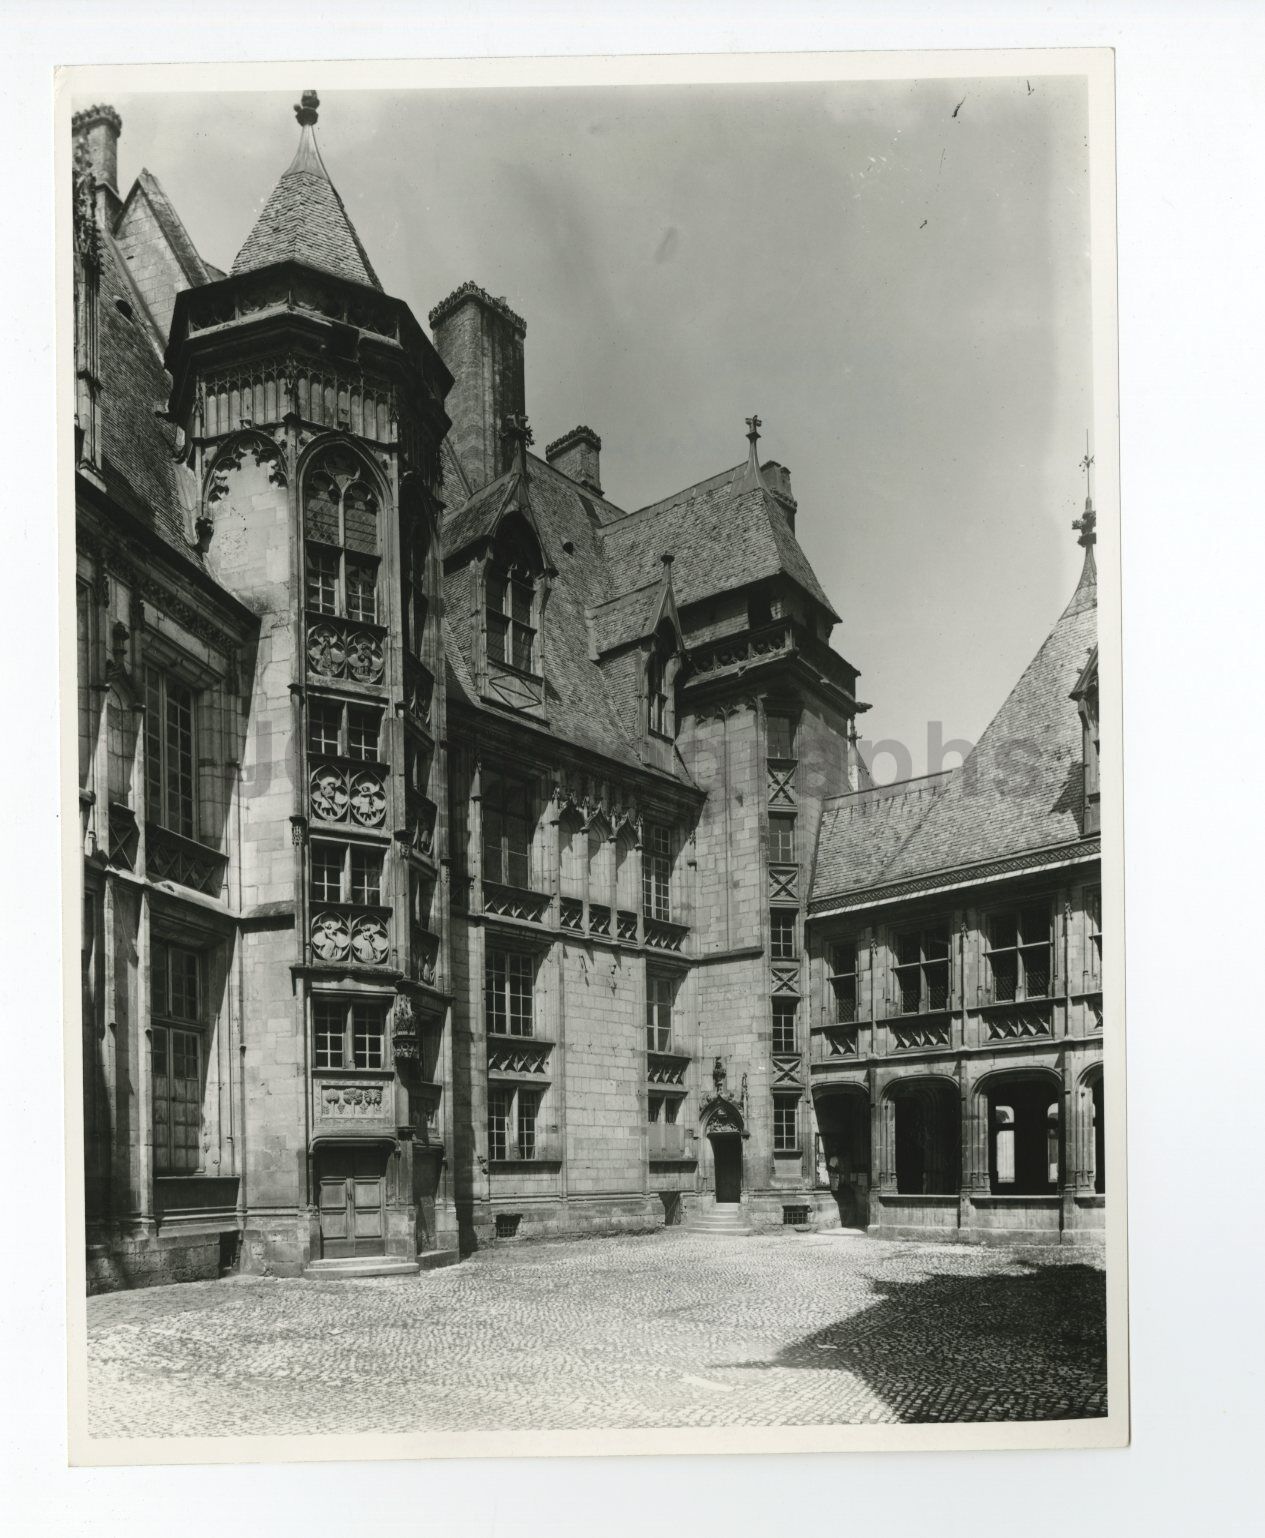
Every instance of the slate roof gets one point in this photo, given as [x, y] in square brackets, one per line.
[139, 464]
[860, 832]
[626, 618]
[1019, 791]
[304, 221]
[723, 533]
[479, 516]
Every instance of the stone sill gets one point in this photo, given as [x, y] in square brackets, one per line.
[996, 1200]
[908, 1199]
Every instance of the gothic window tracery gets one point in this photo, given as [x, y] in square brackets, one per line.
[342, 540]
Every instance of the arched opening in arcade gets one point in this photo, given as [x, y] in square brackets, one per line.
[927, 1137]
[843, 1151]
[1025, 1135]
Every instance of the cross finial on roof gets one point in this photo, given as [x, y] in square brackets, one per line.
[305, 108]
[753, 430]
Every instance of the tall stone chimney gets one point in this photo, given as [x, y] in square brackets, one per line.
[578, 454]
[481, 340]
[99, 128]
[778, 479]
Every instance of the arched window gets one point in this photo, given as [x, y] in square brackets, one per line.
[512, 599]
[340, 524]
[660, 679]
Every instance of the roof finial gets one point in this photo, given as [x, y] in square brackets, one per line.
[749, 477]
[515, 428]
[1085, 524]
[305, 109]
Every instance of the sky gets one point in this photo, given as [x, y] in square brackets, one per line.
[893, 275]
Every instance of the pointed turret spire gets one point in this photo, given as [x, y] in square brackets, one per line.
[304, 220]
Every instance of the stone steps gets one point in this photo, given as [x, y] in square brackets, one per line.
[348, 1267]
[432, 1260]
[723, 1218]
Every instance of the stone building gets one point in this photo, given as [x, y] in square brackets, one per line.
[448, 830]
[956, 971]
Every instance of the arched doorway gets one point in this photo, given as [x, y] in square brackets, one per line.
[725, 1128]
[727, 1162]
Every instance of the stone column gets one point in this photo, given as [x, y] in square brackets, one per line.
[975, 1133]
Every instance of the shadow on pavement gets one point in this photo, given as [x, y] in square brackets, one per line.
[974, 1348]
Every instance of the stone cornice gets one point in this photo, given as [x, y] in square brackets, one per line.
[471, 291]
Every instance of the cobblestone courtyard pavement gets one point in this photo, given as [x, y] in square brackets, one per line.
[667, 1329]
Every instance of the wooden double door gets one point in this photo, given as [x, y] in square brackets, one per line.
[352, 1184]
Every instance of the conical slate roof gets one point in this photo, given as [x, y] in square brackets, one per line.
[304, 220]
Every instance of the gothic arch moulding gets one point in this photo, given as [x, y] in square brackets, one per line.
[988, 1081]
[720, 1112]
[343, 458]
[250, 443]
[921, 1081]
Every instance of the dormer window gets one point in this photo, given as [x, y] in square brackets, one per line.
[661, 667]
[512, 594]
